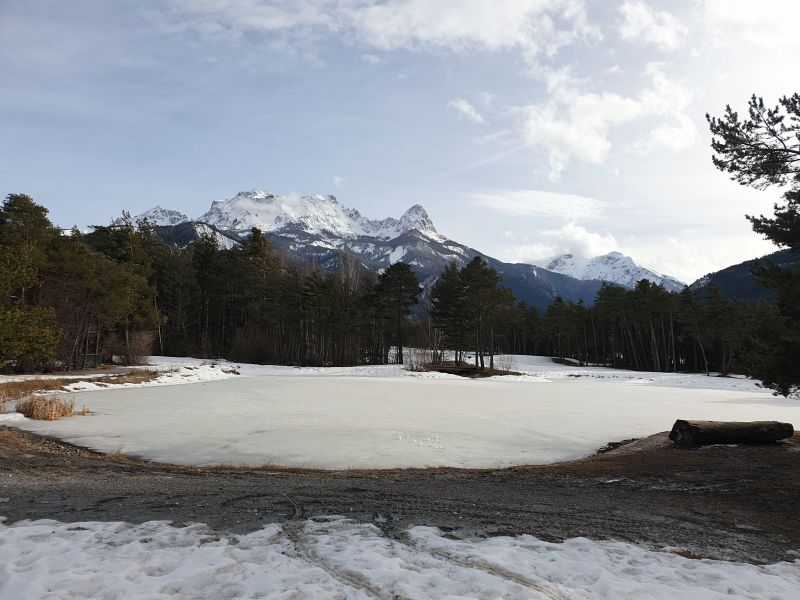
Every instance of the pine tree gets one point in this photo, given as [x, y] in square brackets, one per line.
[396, 292]
[761, 151]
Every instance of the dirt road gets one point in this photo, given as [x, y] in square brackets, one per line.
[734, 503]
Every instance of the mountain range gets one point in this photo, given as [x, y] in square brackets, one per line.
[319, 228]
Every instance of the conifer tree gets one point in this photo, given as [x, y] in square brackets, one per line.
[396, 292]
[761, 151]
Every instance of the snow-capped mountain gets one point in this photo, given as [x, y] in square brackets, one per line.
[320, 230]
[613, 267]
[158, 216]
[317, 215]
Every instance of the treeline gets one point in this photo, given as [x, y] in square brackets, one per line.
[72, 300]
[69, 301]
[650, 329]
[646, 328]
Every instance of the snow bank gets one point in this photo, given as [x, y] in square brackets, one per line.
[335, 558]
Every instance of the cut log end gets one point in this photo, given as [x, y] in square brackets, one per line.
[691, 434]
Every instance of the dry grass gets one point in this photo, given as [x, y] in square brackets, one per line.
[46, 408]
[16, 390]
[134, 376]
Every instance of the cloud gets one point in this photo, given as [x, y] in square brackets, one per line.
[535, 27]
[535, 203]
[640, 23]
[372, 59]
[769, 25]
[465, 109]
[577, 124]
[569, 239]
[339, 181]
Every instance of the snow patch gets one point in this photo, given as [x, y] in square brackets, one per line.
[336, 558]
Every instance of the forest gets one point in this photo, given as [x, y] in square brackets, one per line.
[71, 300]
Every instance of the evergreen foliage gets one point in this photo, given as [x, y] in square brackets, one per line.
[761, 151]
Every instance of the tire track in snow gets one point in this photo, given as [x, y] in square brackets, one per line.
[548, 590]
[296, 534]
[302, 540]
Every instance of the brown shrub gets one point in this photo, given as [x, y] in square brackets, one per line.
[46, 408]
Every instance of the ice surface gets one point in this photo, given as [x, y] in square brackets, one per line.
[336, 558]
[384, 416]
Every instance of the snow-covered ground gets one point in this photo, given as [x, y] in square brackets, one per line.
[384, 416]
[335, 558]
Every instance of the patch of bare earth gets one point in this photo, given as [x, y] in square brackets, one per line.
[735, 503]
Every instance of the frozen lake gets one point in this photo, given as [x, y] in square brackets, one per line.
[382, 417]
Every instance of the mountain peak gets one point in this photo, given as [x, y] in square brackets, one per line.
[417, 218]
[613, 267]
[316, 214]
[157, 216]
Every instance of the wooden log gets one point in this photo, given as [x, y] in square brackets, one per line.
[690, 434]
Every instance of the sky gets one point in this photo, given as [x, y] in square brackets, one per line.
[526, 128]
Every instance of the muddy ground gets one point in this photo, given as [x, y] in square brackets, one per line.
[730, 502]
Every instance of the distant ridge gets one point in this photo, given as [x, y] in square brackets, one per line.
[613, 267]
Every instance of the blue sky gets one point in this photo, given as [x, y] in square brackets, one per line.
[527, 128]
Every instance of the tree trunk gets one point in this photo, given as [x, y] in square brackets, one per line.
[690, 434]
[399, 339]
[491, 347]
[702, 348]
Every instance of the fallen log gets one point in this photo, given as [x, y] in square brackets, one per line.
[690, 434]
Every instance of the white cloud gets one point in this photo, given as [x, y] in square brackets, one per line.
[465, 109]
[576, 124]
[535, 27]
[615, 70]
[372, 59]
[569, 239]
[771, 24]
[535, 203]
[339, 181]
[640, 23]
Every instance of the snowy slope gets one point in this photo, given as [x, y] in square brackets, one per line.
[223, 241]
[613, 267]
[158, 216]
[317, 214]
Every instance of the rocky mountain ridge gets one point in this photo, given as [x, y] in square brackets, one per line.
[319, 229]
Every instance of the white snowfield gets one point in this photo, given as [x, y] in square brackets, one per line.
[336, 559]
[385, 417]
